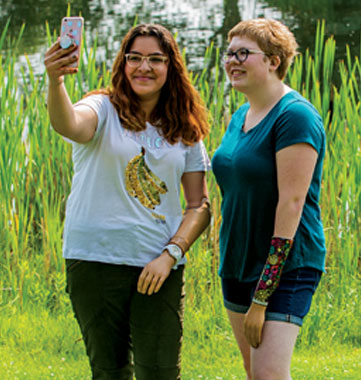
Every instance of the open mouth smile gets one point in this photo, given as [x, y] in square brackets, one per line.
[237, 73]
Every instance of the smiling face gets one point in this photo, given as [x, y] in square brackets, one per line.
[145, 81]
[250, 74]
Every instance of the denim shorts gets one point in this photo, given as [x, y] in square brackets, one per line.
[290, 302]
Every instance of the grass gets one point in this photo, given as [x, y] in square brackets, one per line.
[39, 338]
[41, 346]
[44, 343]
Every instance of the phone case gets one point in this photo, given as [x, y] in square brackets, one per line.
[71, 31]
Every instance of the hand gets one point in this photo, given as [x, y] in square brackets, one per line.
[253, 324]
[155, 273]
[56, 62]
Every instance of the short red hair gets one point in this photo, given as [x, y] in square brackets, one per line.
[273, 37]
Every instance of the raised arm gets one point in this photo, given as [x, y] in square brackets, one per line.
[195, 219]
[78, 124]
[295, 167]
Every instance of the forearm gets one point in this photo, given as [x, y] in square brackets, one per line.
[288, 215]
[194, 222]
[287, 218]
[271, 274]
[60, 109]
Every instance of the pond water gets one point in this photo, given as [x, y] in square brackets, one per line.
[196, 22]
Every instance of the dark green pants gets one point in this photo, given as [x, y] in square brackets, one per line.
[125, 332]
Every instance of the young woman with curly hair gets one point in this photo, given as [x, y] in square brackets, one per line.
[134, 144]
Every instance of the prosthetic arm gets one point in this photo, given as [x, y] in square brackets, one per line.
[194, 222]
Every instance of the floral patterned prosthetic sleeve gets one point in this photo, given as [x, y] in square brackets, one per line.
[272, 271]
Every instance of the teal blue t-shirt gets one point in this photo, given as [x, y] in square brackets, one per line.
[245, 169]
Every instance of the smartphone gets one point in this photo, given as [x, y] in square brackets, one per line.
[71, 31]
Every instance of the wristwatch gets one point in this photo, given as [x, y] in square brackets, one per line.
[175, 252]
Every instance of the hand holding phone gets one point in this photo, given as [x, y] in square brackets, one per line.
[70, 33]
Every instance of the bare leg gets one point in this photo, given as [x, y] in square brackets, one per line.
[236, 320]
[272, 359]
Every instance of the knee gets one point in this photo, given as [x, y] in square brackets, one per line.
[269, 372]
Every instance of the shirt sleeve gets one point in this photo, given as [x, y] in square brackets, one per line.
[299, 123]
[197, 159]
[99, 104]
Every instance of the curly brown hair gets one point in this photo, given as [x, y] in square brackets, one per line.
[180, 113]
[273, 37]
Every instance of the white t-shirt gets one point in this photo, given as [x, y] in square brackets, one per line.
[119, 220]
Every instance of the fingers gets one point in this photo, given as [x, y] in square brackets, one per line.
[253, 333]
[248, 334]
[57, 60]
[255, 338]
[253, 324]
[55, 51]
[60, 58]
[149, 283]
[154, 274]
[54, 47]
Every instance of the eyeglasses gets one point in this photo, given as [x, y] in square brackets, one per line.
[240, 54]
[154, 61]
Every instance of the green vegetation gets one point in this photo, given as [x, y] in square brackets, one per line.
[39, 338]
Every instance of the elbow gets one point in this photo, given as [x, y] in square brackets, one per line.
[202, 210]
[293, 205]
[197, 203]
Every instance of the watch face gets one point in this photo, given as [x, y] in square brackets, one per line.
[175, 251]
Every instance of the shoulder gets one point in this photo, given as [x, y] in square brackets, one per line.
[298, 121]
[197, 148]
[197, 157]
[95, 101]
[295, 105]
[297, 112]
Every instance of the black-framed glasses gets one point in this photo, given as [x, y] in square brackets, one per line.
[240, 54]
[154, 61]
